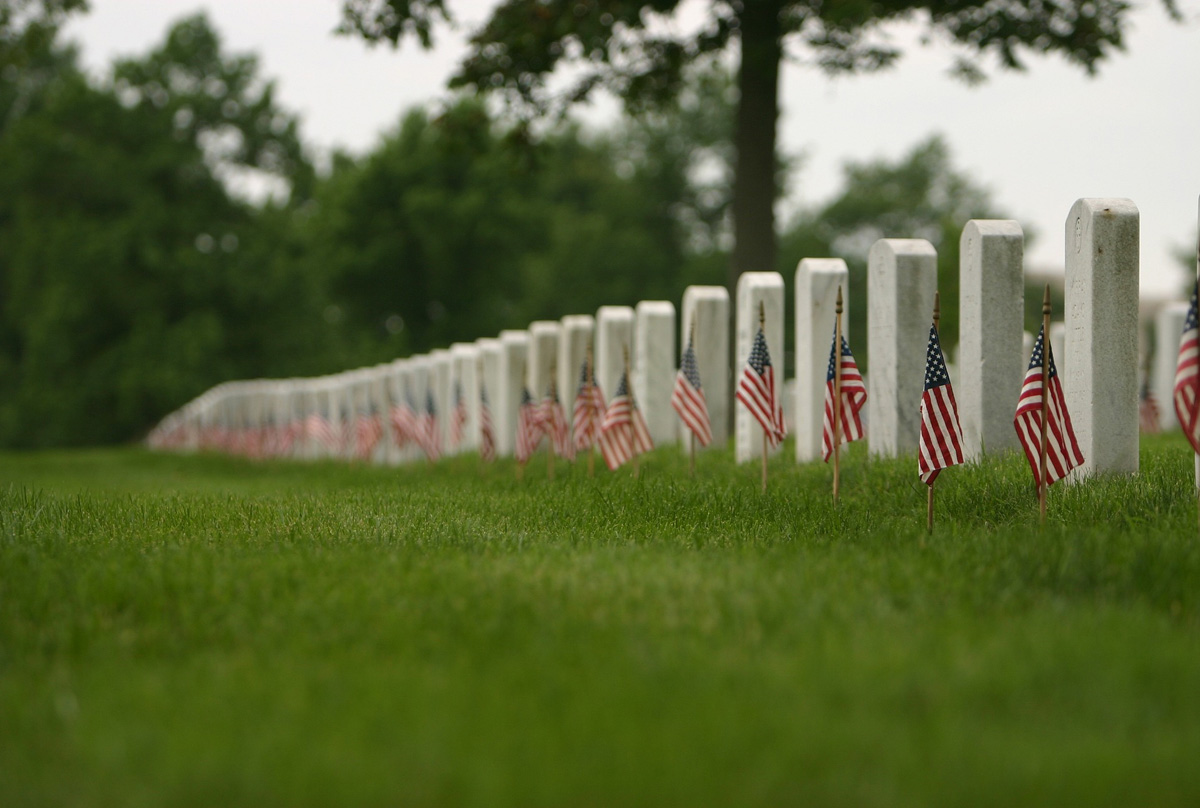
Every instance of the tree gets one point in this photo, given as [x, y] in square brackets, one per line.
[457, 226]
[219, 102]
[630, 48]
[30, 57]
[130, 279]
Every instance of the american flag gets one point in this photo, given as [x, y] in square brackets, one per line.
[318, 428]
[688, 399]
[1062, 450]
[588, 413]
[428, 435]
[854, 396]
[554, 422]
[368, 429]
[289, 433]
[459, 418]
[487, 430]
[404, 423]
[1187, 377]
[346, 434]
[1148, 414]
[941, 437]
[623, 433]
[529, 427]
[756, 390]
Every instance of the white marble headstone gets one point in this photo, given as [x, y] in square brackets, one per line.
[576, 336]
[655, 368]
[443, 394]
[614, 337]
[514, 353]
[817, 283]
[1100, 385]
[543, 356]
[754, 288]
[490, 352]
[465, 357]
[708, 307]
[991, 312]
[901, 281]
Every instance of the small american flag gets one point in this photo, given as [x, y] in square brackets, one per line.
[346, 433]
[588, 413]
[368, 429]
[428, 435]
[554, 422]
[487, 430]
[529, 427]
[854, 396]
[1187, 377]
[1062, 450]
[688, 399]
[1148, 414]
[459, 418]
[941, 437]
[404, 423]
[624, 432]
[318, 428]
[756, 390]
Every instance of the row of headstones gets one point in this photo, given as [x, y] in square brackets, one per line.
[1099, 369]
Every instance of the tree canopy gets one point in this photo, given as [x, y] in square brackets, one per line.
[635, 49]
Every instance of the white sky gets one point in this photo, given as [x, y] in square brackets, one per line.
[1039, 140]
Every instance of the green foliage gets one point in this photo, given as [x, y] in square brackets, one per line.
[546, 55]
[459, 227]
[921, 195]
[130, 280]
[630, 47]
[218, 102]
[199, 631]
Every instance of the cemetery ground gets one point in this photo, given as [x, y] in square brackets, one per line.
[207, 631]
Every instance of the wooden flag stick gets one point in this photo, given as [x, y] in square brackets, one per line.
[550, 441]
[762, 324]
[937, 316]
[692, 442]
[591, 408]
[524, 389]
[1045, 405]
[837, 392]
[479, 384]
[637, 466]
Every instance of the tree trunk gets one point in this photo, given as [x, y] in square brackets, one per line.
[754, 187]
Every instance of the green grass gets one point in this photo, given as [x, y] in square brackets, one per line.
[202, 631]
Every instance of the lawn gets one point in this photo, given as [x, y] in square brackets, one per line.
[202, 631]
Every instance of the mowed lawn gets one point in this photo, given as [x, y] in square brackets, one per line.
[211, 632]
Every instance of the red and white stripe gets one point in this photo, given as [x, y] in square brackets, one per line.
[587, 417]
[529, 429]
[624, 432]
[368, 429]
[318, 428]
[757, 393]
[1187, 378]
[854, 396]
[404, 425]
[487, 432]
[1062, 450]
[940, 445]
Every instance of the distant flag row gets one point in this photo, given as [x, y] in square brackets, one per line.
[619, 431]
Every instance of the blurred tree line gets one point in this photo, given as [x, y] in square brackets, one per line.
[132, 277]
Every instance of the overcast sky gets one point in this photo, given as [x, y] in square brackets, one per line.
[1038, 140]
